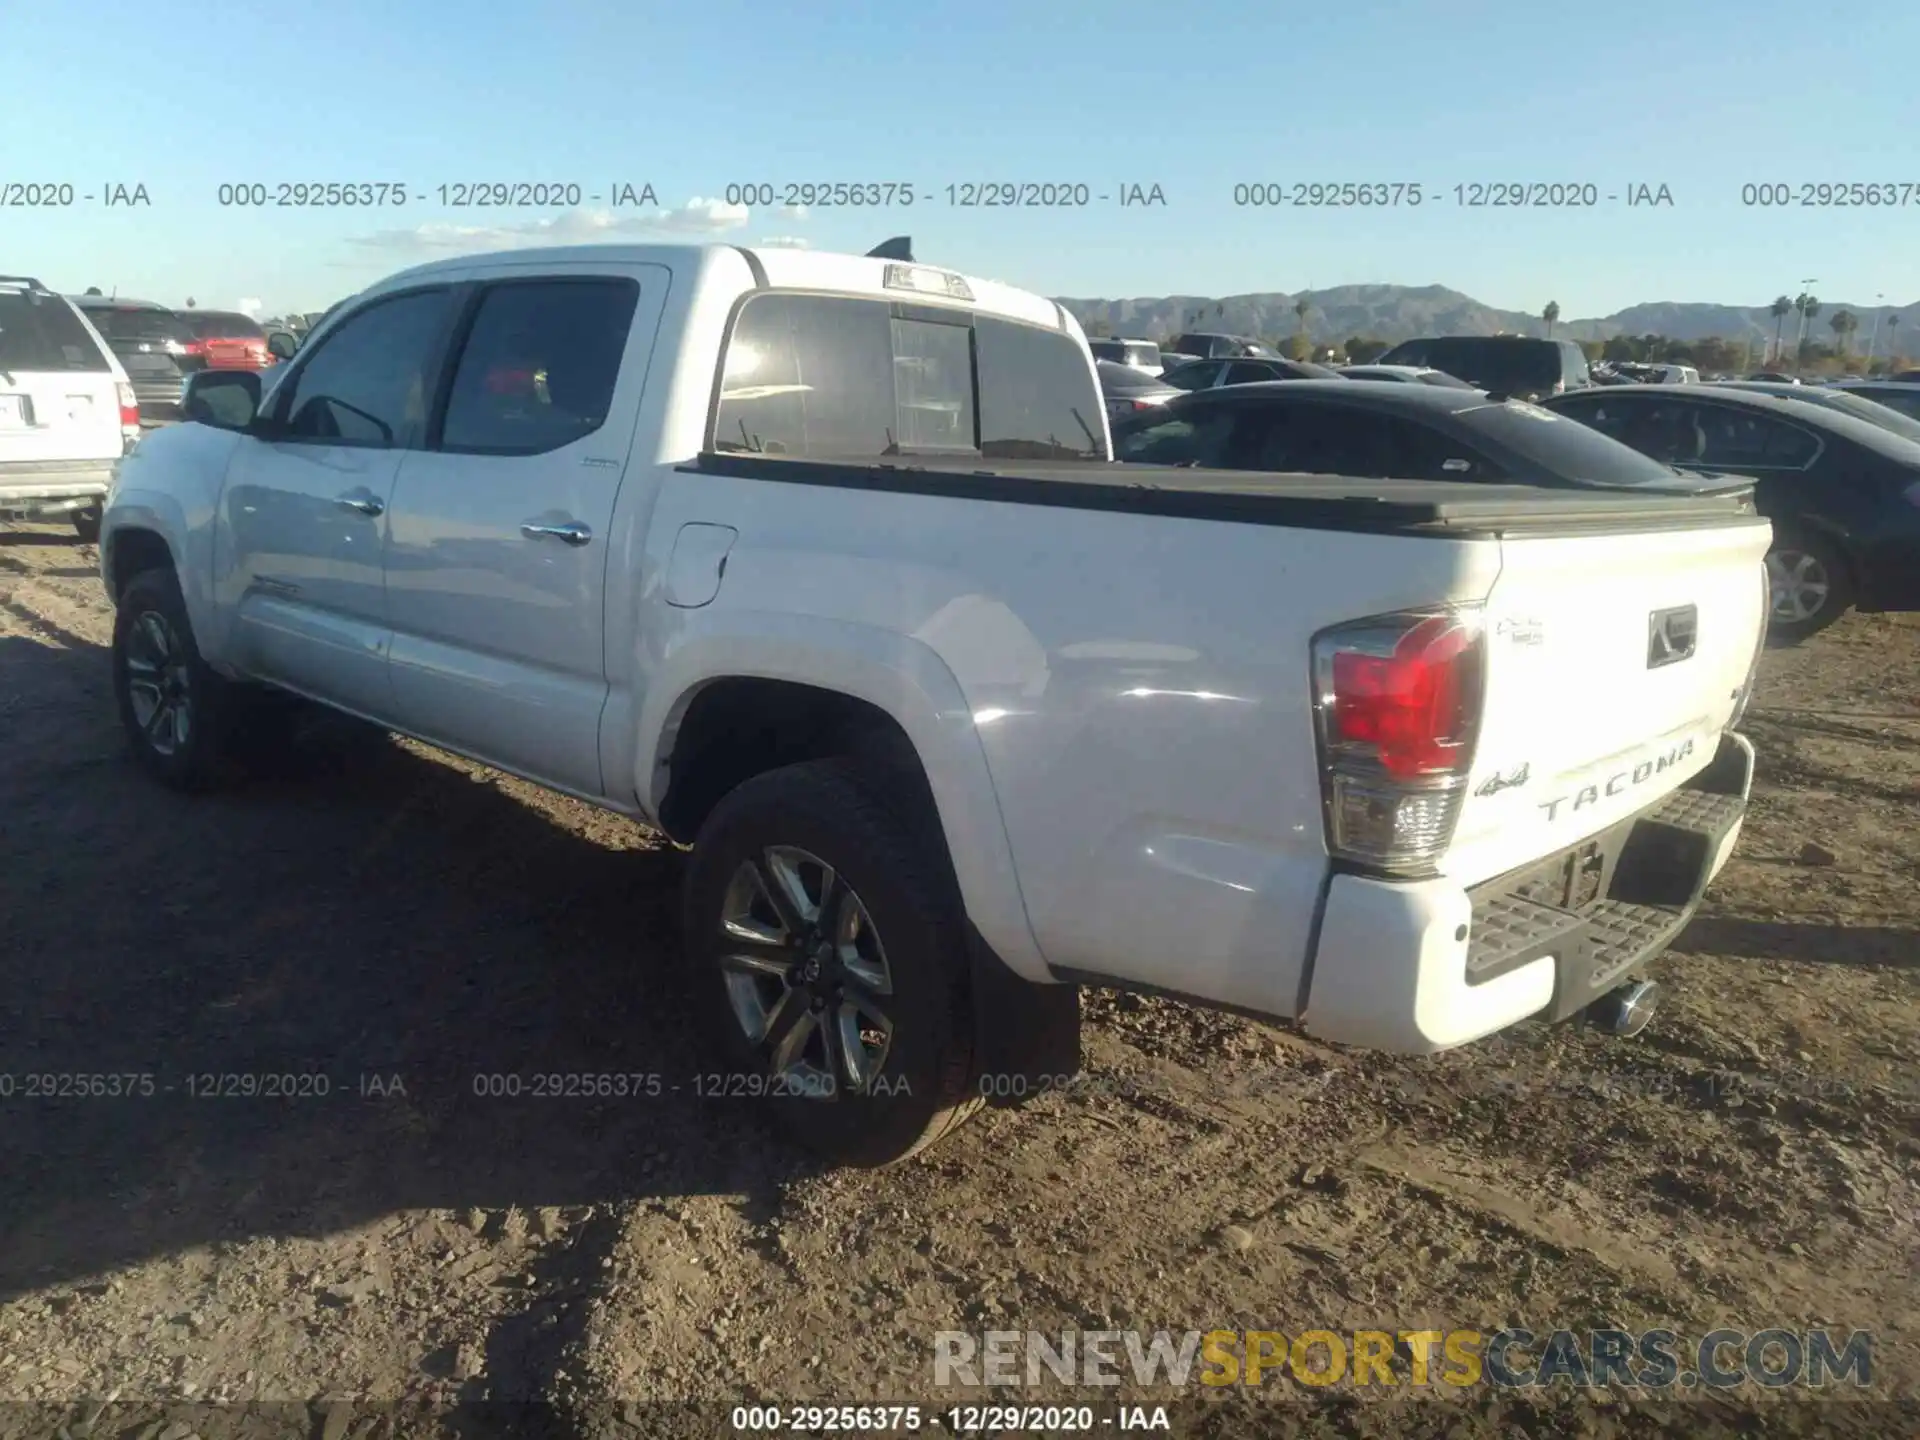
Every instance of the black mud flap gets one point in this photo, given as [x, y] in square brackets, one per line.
[1026, 1036]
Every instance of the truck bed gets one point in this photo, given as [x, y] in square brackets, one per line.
[1309, 502]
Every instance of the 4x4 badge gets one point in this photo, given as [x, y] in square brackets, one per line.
[1512, 780]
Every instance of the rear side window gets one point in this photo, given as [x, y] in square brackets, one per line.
[539, 365]
[823, 377]
[1108, 350]
[42, 333]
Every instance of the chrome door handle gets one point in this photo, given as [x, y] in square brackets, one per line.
[363, 502]
[573, 532]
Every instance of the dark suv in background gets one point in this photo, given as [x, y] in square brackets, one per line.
[154, 347]
[1507, 367]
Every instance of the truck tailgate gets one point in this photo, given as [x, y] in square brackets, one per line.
[1614, 662]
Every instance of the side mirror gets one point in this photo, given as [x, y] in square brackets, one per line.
[281, 345]
[224, 399]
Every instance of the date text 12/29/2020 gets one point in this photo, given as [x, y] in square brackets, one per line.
[1467, 195]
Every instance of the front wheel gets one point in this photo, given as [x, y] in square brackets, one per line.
[1809, 585]
[187, 726]
[825, 929]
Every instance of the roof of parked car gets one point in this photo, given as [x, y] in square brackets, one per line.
[109, 302]
[1424, 399]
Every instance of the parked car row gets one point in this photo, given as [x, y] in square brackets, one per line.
[81, 374]
[1835, 468]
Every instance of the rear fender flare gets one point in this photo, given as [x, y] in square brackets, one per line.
[901, 677]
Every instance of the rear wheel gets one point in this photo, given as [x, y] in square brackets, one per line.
[86, 524]
[1809, 584]
[825, 929]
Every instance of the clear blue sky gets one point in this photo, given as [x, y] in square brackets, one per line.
[1699, 95]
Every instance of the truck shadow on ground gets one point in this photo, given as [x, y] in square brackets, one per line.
[310, 993]
[1870, 946]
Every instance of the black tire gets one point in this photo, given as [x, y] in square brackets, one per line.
[1807, 566]
[228, 727]
[86, 524]
[925, 1086]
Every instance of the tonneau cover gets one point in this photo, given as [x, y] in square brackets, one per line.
[1313, 502]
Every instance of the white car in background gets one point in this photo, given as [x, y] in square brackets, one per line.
[67, 411]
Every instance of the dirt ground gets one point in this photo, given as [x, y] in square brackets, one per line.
[392, 923]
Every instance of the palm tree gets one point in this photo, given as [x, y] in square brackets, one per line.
[1844, 323]
[1550, 315]
[1300, 308]
[1893, 347]
[1780, 309]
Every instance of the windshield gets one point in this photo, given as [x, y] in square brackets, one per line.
[1872, 411]
[225, 327]
[1563, 446]
[42, 333]
[1497, 364]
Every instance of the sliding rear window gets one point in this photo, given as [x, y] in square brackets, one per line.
[833, 377]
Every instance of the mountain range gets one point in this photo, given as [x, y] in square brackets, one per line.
[1404, 312]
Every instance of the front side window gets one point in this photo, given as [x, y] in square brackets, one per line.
[1199, 436]
[538, 369]
[1308, 440]
[1735, 439]
[366, 383]
[826, 377]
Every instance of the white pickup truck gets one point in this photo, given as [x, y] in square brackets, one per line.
[819, 563]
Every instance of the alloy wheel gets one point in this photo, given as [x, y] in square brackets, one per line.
[159, 683]
[1799, 585]
[806, 974]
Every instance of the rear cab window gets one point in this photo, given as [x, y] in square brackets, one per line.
[843, 378]
[41, 333]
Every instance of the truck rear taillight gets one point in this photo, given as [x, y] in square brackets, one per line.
[1398, 700]
[129, 407]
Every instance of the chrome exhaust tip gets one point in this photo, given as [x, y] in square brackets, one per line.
[1627, 1010]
